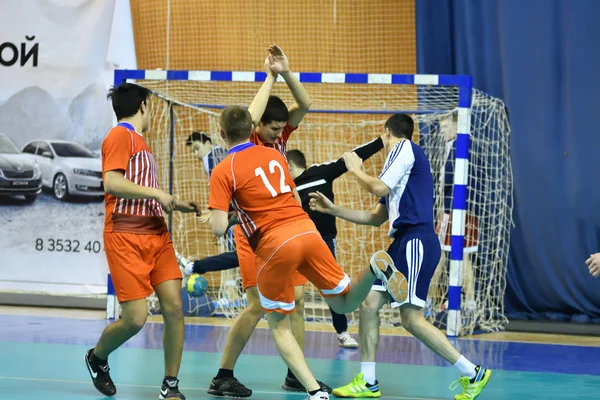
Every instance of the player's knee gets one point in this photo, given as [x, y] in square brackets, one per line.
[299, 306]
[135, 321]
[254, 308]
[412, 317]
[370, 305]
[171, 306]
[173, 312]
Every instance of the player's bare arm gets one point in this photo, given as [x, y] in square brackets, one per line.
[593, 264]
[302, 100]
[259, 104]
[205, 216]
[370, 183]
[219, 222]
[376, 217]
[116, 184]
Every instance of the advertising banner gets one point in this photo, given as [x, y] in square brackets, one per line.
[53, 118]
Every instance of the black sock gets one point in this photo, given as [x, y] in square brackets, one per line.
[224, 373]
[313, 392]
[97, 360]
[170, 379]
[291, 375]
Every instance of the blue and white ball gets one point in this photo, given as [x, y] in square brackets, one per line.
[196, 285]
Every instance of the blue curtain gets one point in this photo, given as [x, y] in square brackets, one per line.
[542, 58]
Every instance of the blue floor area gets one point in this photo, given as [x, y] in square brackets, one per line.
[42, 358]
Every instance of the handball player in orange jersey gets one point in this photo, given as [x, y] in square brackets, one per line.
[138, 247]
[285, 241]
[273, 125]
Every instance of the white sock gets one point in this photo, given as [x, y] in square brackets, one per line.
[368, 371]
[466, 367]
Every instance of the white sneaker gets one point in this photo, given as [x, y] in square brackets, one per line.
[393, 280]
[347, 341]
[319, 396]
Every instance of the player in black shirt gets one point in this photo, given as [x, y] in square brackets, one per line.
[316, 177]
[320, 177]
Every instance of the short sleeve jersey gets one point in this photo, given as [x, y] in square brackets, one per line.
[125, 149]
[407, 173]
[256, 181]
[280, 144]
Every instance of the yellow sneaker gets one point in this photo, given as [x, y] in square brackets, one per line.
[472, 387]
[358, 388]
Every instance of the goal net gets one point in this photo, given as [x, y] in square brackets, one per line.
[343, 116]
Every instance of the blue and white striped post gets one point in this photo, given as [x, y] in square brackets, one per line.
[459, 207]
[465, 87]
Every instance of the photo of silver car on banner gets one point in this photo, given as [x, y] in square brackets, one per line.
[53, 118]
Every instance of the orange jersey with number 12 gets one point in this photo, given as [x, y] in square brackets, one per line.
[256, 181]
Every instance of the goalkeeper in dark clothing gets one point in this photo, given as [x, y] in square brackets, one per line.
[318, 177]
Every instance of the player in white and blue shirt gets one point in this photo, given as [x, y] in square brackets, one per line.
[416, 248]
[405, 188]
[202, 146]
[211, 155]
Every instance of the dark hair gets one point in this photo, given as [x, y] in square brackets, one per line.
[401, 125]
[276, 111]
[297, 157]
[198, 136]
[127, 98]
[236, 122]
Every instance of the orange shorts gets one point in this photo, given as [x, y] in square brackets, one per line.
[287, 250]
[247, 260]
[444, 231]
[137, 263]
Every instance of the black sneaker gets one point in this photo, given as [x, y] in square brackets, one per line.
[170, 390]
[294, 385]
[100, 375]
[229, 387]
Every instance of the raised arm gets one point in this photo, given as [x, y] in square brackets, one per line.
[375, 217]
[302, 100]
[334, 170]
[367, 150]
[259, 104]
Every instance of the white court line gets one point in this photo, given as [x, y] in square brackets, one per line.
[19, 378]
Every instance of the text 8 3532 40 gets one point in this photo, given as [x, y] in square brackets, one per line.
[68, 245]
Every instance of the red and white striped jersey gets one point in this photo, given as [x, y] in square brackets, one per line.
[126, 150]
[279, 145]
